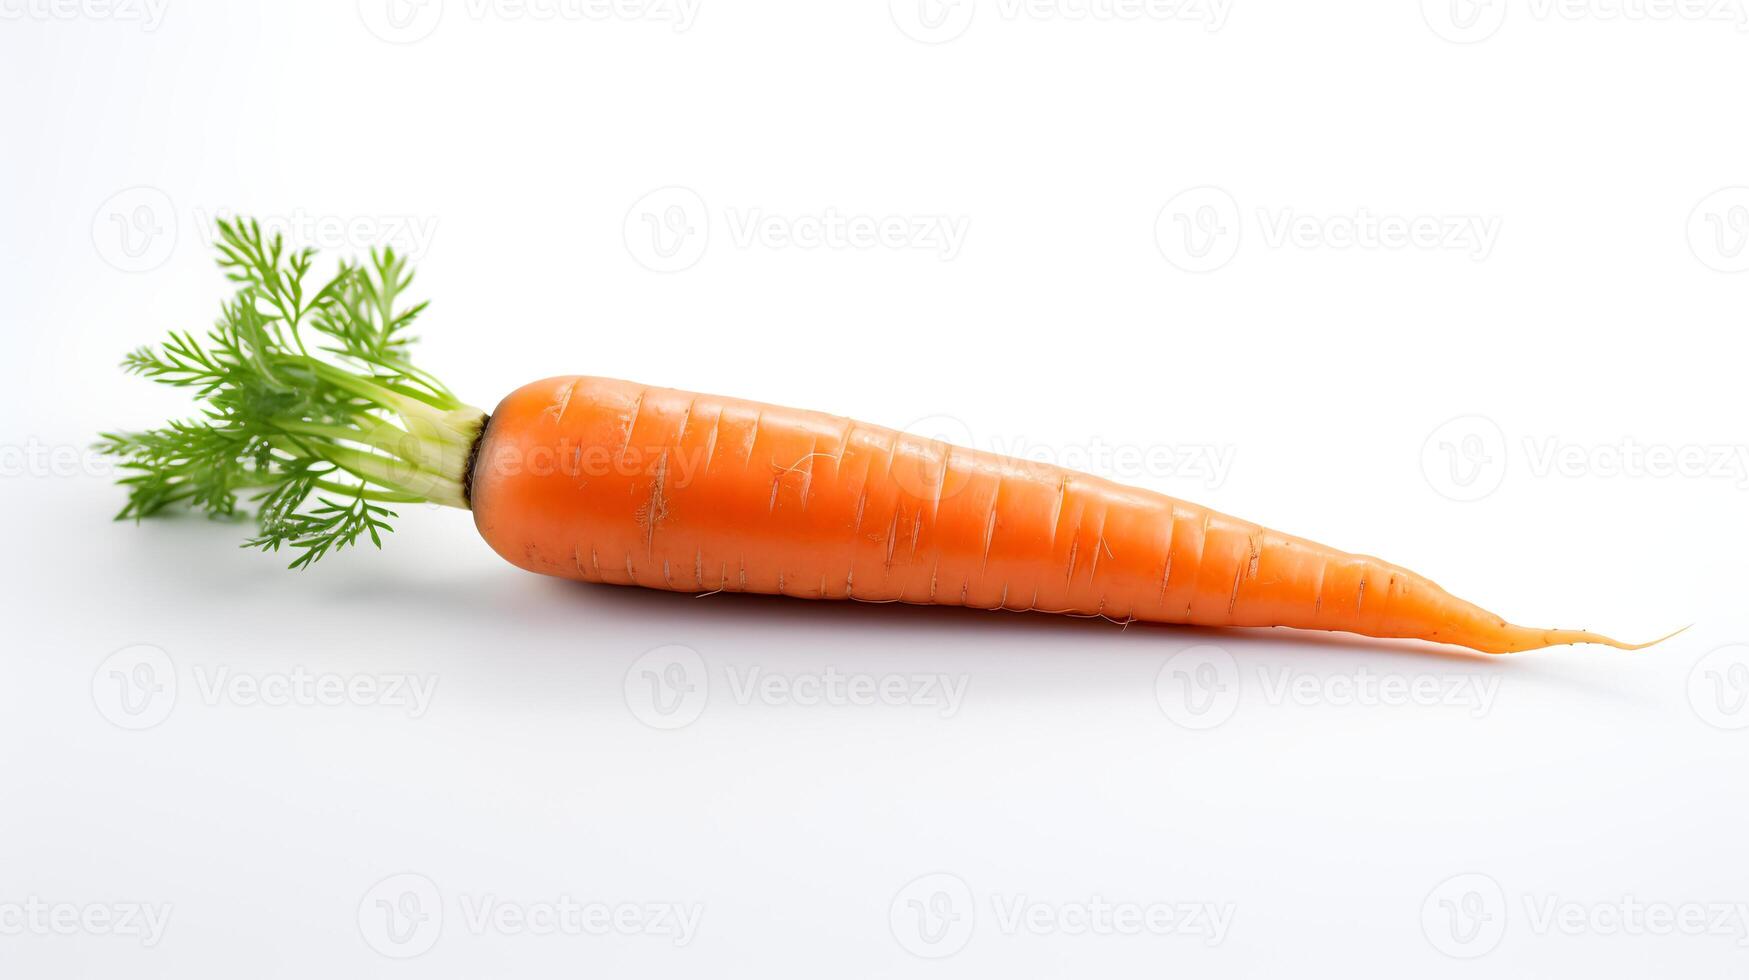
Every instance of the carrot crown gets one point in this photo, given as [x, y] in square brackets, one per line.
[311, 412]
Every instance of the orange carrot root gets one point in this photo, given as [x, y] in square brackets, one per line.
[1534, 639]
[608, 481]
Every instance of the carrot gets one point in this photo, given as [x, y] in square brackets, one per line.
[613, 482]
[608, 481]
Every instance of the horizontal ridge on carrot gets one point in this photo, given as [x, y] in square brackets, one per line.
[315, 414]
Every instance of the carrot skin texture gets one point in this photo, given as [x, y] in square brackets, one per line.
[608, 481]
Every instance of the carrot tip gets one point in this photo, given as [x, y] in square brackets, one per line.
[1661, 639]
[1556, 637]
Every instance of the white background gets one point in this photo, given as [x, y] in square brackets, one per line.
[1182, 232]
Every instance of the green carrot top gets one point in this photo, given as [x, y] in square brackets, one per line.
[312, 412]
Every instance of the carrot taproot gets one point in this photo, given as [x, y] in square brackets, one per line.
[608, 481]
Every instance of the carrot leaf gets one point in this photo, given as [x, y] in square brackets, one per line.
[315, 440]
